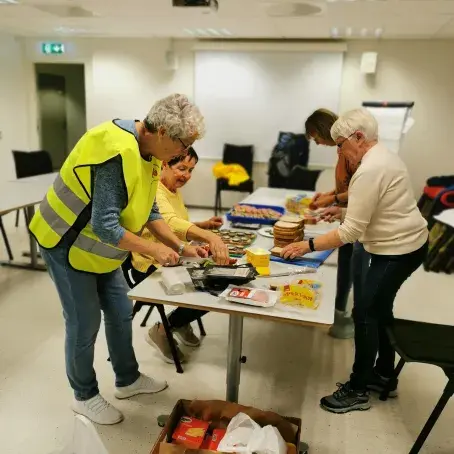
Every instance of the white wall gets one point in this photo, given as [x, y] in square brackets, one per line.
[420, 71]
[124, 77]
[14, 104]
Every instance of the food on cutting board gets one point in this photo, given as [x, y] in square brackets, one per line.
[276, 251]
[249, 211]
[287, 232]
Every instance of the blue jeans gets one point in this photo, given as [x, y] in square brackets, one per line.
[83, 296]
[373, 314]
[352, 265]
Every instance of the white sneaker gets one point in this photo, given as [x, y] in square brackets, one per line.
[143, 385]
[98, 410]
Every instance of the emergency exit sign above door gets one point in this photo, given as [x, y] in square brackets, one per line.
[52, 48]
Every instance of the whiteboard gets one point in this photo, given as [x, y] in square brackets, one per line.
[248, 97]
[393, 122]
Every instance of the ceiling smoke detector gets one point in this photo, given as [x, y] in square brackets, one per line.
[293, 9]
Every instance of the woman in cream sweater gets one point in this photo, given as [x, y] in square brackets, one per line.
[383, 215]
[175, 174]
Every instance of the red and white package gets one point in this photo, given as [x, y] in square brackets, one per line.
[250, 296]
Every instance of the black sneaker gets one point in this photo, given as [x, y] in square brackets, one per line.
[377, 383]
[346, 399]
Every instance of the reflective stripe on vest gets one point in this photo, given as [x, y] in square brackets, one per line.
[56, 223]
[87, 244]
[95, 247]
[68, 197]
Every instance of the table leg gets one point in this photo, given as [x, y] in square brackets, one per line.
[33, 246]
[33, 265]
[234, 358]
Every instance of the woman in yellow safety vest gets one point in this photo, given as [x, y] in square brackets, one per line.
[88, 223]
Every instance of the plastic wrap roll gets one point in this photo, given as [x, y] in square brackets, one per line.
[172, 281]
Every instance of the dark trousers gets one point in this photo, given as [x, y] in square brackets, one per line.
[181, 316]
[373, 313]
[352, 265]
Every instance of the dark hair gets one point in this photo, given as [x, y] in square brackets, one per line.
[190, 154]
[320, 123]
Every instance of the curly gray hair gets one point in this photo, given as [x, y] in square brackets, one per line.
[178, 116]
[355, 120]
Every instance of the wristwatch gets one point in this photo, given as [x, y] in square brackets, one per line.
[311, 245]
[181, 248]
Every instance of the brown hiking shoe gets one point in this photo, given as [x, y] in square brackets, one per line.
[158, 339]
[187, 337]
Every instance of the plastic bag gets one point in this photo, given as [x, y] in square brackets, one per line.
[301, 294]
[244, 435]
[239, 433]
[85, 439]
[267, 440]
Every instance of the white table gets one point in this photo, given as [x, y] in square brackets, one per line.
[151, 291]
[25, 193]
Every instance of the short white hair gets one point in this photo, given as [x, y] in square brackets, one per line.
[178, 116]
[355, 120]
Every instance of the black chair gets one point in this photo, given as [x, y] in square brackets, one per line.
[30, 164]
[127, 265]
[303, 178]
[235, 154]
[430, 344]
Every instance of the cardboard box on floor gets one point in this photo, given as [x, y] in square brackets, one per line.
[164, 444]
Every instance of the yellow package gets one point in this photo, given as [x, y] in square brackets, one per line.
[304, 293]
[297, 204]
[258, 257]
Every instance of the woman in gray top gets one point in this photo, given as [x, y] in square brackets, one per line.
[169, 129]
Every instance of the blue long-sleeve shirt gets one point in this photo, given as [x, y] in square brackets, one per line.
[109, 196]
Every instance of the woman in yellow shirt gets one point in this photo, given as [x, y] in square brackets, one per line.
[175, 174]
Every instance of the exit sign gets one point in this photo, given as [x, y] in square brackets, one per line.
[52, 48]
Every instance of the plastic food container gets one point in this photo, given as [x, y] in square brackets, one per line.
[251, 220]
[250, 296]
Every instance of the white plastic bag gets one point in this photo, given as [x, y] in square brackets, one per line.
[267, 441]
[239, 433]
[244, 435]
[85, 439]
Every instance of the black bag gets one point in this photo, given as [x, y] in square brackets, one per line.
[291, 150]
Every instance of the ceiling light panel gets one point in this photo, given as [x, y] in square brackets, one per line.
[208, 32]
[355, 32]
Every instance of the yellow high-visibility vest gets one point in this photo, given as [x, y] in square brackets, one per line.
[69, 199]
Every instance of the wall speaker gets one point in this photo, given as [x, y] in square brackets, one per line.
[172, 60]
[369, 62]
